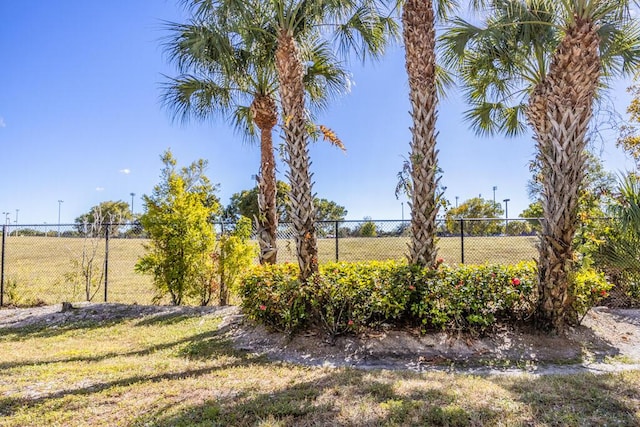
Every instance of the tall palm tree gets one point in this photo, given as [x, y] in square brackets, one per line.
[227, 71]
[292, 19]
[358, 26]
[542, 62]
[418, 23]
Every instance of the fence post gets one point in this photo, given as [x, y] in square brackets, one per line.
[4, 235]
[336, 238]
[461, 241]
[106, 261]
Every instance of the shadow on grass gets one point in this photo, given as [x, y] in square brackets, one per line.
[341, 397]
[356, 398]
[578, 400]
[360, 398]
[216, 347]
[97, 316]
[198, 346]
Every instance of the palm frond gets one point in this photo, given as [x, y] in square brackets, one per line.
[366, 32]
[325, 77]
[620, 49]
[445, 80]
[242, 122]
[188, 97]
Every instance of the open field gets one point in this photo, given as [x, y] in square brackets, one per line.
[40, 268]
[176, 368]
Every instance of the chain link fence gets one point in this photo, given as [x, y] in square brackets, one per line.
[46, 264]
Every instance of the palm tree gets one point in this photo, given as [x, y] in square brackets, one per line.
[543, 61]
[358, 26]
[225, 71]
[418, 21]
[293, 19]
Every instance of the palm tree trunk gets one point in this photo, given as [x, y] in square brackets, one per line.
[290, 75]
[419, 37]
[265, 115]
[560, 110]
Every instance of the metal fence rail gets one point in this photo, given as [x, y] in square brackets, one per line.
[45, 264]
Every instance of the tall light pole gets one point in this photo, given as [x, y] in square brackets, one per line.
[16, 232]
[494, 194]
[132, 196]
[506, 214]
[402, 206]
[59, 204]
[456, 201]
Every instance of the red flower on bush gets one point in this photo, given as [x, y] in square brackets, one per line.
[412, 288]
[263, 307]
[515, 281]
[603, 293]
[440, 260]
[350, 322]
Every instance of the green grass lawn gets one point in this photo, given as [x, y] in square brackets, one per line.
[38, 268]
[178, 370]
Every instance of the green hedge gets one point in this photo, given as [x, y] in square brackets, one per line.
[346, 296]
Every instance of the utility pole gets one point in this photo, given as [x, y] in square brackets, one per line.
[132, 196]
[506, 214]
[59, 205]
[494, 194]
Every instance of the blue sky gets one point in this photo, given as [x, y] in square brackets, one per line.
[81, 121]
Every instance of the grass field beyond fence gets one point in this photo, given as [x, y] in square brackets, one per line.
[39, 269]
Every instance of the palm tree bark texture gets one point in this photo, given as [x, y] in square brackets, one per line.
[418, 20]
[290, 71]
[265, 115]
[560, 109]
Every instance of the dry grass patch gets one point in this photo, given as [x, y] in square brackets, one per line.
[177, 368]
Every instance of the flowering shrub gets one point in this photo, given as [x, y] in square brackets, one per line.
[588, 288]
[273, 295]
[346, 296]
[472, 297]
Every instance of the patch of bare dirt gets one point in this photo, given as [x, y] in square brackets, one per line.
[608, 340]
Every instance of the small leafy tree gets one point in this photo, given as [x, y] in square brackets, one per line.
[368, 228]
[476, 208]
[177, 218]
[630, 136]
[233, 257]
[88, 268]
[109, 212]
[533, 213]
[245, 203]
